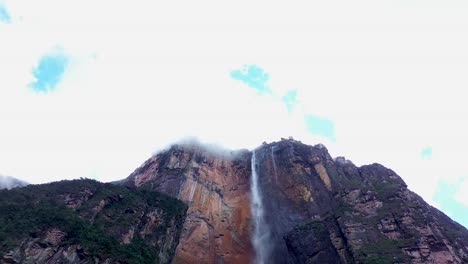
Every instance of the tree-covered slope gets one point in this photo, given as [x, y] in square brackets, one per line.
[83, 221]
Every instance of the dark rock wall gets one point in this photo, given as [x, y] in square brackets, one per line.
[322, 210]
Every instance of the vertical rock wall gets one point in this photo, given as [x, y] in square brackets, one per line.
[318, 209]
[215, 185]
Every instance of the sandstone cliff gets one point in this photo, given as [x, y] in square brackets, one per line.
[215, 186]
[317, 209]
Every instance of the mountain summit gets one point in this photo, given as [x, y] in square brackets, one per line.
[316, 209]
[284, 202]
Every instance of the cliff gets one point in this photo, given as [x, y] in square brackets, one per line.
[215, 186]
[192, 204]
[84, 221]
[324, 210]
[316, 209]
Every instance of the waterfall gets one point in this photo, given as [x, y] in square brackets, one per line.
[261, 233]
[274, 163]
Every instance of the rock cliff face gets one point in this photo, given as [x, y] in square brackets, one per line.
[324, 210]
[215, 186]
[317, 209]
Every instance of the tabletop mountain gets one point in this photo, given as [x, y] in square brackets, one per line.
[192, 203]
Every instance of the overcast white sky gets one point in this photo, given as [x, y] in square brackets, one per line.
[375, 81]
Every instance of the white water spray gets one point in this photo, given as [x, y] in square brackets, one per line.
[274, 163]
[261, 233]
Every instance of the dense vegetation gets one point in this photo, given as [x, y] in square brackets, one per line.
[31, 210]
[384, 251]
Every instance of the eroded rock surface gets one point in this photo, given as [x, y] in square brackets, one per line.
[318, 209]
[325, 210]
[215, 185]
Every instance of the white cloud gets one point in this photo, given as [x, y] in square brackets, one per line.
[390, 74]
[462, 193]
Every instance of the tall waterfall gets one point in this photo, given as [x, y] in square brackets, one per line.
[274, 163]
[261, 233]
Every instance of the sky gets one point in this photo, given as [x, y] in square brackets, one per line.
[94, 88]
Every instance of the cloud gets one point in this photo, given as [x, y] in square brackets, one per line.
[290, 99]
[426, 153]
[445, 197]
[49, 71]
[10, 182]
[4, 15]
[320, 126]
[461, 195]
[253, 76]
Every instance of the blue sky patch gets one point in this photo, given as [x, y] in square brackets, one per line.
[320, 126]
[444, 196]
[426, 153]
[290, 100]
[4, 15]
[253, 76]
[48, 72]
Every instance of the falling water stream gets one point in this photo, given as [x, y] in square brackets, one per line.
[261, 233]
[274, 163]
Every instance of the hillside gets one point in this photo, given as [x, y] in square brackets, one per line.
[84, 221]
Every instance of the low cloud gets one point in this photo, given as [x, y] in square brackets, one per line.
[7, 182]
[4, 15]
[461, 195]
[450, 199]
